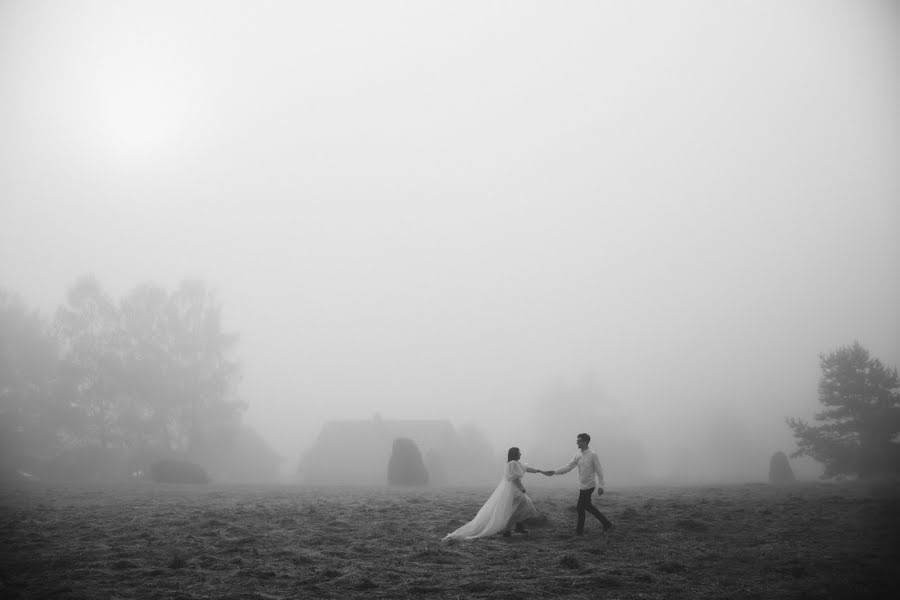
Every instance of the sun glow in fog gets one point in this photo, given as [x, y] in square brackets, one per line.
[138, 120]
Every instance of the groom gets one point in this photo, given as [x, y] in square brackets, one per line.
[589, 468]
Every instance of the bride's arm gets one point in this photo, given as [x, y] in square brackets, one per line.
[533, 470]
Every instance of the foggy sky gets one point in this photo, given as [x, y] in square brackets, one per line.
[444, 209]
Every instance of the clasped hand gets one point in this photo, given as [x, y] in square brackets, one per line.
[547, 473]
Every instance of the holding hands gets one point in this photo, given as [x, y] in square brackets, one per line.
[548, 473]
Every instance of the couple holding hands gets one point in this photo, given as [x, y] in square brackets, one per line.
[509, 506]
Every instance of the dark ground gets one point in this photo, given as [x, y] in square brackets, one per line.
[141, 540]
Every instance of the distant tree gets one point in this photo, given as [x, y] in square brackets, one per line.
[861, 420]
[153, 370]
[89, 331]
[148, 366]
[205, 372]
[180, 367]
[31, 407]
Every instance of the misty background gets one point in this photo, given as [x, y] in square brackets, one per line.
[643, 221]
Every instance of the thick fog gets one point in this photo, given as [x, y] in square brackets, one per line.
[640, 220]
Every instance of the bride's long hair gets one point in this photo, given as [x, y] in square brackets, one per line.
[513, 454]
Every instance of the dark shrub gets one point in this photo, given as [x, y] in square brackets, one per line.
[405, 466]
[177, 471]
[780, 472]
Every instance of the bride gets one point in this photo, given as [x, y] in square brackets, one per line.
[506, 507]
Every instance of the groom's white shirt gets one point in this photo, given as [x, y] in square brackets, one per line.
[588, 464]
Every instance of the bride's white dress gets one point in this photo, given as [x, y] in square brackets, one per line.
[506, 506]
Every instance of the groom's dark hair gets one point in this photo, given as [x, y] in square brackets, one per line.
[585, 437]
[511, 453]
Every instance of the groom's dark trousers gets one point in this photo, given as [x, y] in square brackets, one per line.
[585, 505]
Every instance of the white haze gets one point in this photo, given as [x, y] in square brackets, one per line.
[445, 209]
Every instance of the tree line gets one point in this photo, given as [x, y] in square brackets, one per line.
[153, 370]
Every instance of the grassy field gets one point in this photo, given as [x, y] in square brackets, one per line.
[141, 540]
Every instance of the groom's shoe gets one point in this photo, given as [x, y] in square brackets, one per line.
[520, 528]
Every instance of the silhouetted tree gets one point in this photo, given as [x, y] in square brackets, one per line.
[861, 419]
